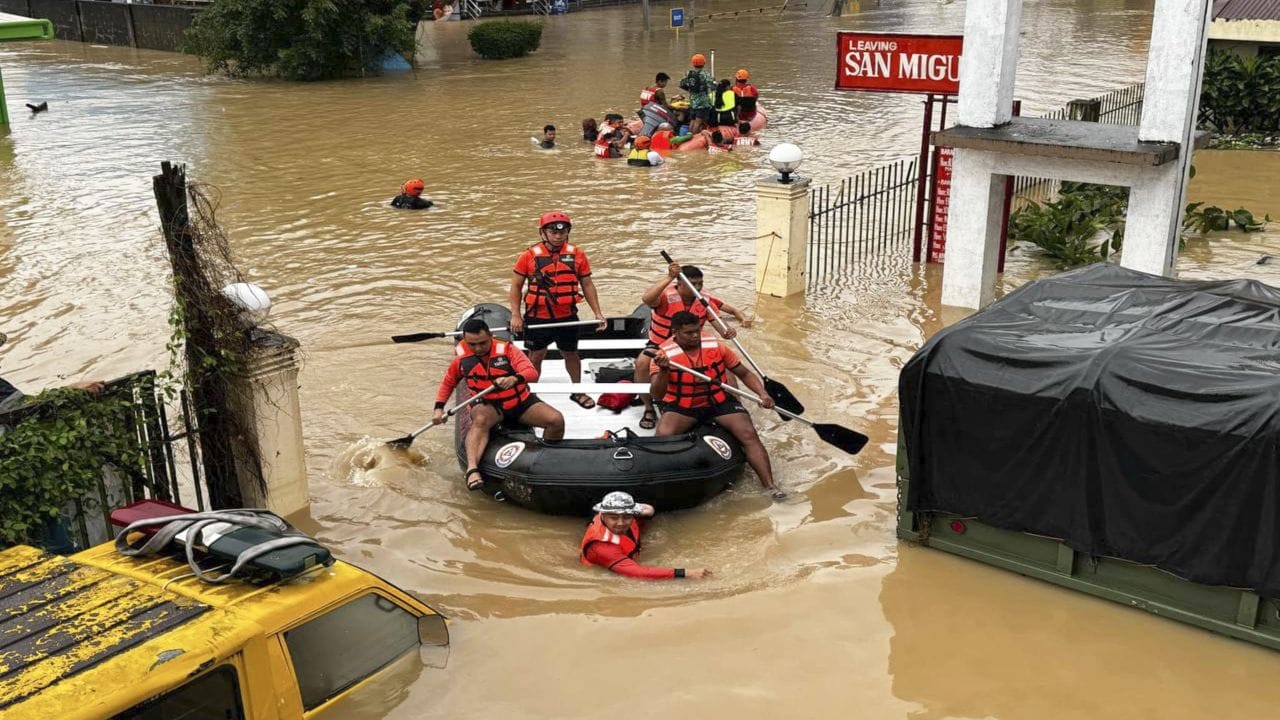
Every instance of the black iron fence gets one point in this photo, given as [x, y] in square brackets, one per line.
[137, 404]
[862, 215]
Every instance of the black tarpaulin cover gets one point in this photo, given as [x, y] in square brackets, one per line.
[1129, 415]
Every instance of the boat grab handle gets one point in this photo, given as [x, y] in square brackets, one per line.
[622, 454]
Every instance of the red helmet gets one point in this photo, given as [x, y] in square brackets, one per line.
[742, 74]
[413, 187]
[698, 60]
[553, 217]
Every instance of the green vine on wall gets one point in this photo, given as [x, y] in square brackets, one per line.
[56, 452]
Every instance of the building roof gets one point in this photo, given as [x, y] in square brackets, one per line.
[1246, 9]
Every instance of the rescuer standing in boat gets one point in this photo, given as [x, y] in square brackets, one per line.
[613, 538]
[482, 361]
[687, 400]
[558, 275]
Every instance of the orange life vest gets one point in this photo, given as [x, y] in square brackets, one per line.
[480, 372]
[597, 532]
[602, 147]
[747, 95]
[687, 391]
[660, 321]
[661, 141]
[647, 94]
[554, 287]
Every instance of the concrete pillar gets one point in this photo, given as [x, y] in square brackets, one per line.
[782, 233]
[265, 401]
[1175, 67]
[973, 230]
[989, 63]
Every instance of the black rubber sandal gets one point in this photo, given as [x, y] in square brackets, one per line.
[584, 400]
[651, 418]
[474, 485]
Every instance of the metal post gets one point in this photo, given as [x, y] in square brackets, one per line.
[644, 8]
[713, 69]
[4, 112]
[923, 163]
[1008, 204]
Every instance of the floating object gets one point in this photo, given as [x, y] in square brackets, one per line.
[38, 108]
[1263, 260]
[567, 477]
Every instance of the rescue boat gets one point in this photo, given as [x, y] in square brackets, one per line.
[602, 451]
[703, 139]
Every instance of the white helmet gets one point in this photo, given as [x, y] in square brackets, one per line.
[617, 503]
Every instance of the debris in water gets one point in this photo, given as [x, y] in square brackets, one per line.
[366, 462]
[38, 108]
[1263, 260]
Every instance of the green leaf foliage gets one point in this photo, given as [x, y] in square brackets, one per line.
[503, 39]
[1241, 95]
[55, 454]
[303, 39]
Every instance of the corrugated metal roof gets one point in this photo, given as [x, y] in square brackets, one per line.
[1246, 10]
[59, 618]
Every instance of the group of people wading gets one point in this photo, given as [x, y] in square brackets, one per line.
[547, 283]
[721, 111]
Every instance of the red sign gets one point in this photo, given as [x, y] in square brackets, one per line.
[889, 62]
[941, 201]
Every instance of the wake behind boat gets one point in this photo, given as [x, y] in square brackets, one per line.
[602, 451]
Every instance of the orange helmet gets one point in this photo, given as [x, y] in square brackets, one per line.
[642, 142]
[413, 187]
[742, 74]
[554, 216]
[698, 60]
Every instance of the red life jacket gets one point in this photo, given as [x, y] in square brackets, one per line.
[746, 100]
[602, 147]
[683, 388]
[660, 321]
[661, 141]
[597, 532]
[480, 372]
[554, 287]
[647, 94]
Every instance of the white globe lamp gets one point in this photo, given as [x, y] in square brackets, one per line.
[252, 300]
[785, 158]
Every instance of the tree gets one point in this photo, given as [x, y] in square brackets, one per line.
[303, 39]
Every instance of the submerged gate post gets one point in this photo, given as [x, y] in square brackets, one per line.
[782, 233]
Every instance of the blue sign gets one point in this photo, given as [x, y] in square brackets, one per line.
[677, 17]
[559, 7]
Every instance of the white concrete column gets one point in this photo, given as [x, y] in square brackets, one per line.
[265, 401]
[782, 234]
[1154, 220]
[1175, 64]
[973, 230]
[989, 64]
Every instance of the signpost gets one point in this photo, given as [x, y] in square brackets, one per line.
[902, 63]
[677, 20]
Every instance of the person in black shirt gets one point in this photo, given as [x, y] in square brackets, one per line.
[410, 197]
[548, 137]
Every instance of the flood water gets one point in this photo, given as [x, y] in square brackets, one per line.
[815, 609]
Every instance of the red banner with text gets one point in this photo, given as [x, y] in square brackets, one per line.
[941, 202]
[892, 62]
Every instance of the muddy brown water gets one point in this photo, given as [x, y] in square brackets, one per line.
[815, 610]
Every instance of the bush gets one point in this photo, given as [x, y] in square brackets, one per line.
[1240, 95]
[303, 39]
[503, 39]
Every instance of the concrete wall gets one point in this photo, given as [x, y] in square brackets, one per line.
[154, 27]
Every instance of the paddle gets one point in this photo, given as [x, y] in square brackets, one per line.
[407, 440]
[419, 337]
[850, 441]
[782, 396]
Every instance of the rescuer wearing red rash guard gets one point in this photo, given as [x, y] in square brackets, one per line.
[613, 538]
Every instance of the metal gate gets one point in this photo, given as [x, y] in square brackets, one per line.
[860, 216]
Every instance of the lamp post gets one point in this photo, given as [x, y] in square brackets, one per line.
[785, 158]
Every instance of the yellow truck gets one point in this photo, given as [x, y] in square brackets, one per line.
[102, 635]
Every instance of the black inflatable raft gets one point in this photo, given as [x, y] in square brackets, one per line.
[569, 476]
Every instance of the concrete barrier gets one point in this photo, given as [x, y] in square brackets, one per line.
[15, 7]
[161, 27]
[105, 23]
[63, 15]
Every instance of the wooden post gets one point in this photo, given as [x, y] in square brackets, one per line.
[212, 426]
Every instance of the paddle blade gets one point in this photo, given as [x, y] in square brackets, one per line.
[416, 337]
[783, 398]
[401, 443]
[850, 441]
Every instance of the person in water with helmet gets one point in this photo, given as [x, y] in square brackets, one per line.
[642, 156]
[481, 362]
[747, 94]
[613, 539]
[700, 86]
[548, 281]
[410, 197]
[687, 400]
[666, 297]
